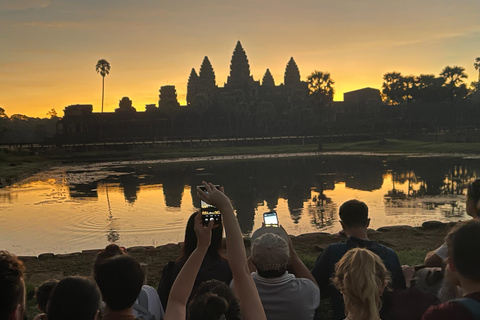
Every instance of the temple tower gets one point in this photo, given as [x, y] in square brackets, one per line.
[168, 97]
[192, 86]
[239, 69]
[267, 80]
[207, 75]
[292, 74]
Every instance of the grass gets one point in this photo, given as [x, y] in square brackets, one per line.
[413, 257]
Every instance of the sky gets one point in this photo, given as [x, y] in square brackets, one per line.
[49, 48]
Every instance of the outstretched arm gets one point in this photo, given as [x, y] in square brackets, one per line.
[245, 288]
[183, 285]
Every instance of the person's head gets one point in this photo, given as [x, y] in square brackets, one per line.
[120, 279]
[354, 214]
[361, 277]
[270, 254]
[111, 250]
[464, 251]
[211, 300]
[74, 298]
[190, 242]
[12, 287]
[473, 199]
[43, 292]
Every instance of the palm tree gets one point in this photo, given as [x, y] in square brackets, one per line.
[103, 67]
[477, 66]
[453, 76]
[321, 83]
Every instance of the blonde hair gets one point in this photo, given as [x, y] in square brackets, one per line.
[361, 277]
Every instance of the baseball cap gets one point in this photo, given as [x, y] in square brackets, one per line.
[270, 251]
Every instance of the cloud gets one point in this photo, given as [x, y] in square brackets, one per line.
[18, 5]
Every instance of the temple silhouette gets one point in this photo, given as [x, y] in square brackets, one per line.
[202, 88]
[243, 107]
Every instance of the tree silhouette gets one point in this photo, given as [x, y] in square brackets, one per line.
[320, 83]
[454, 76]
[477, 66]
[52, 113]
[392, 87]
[103, 67]
[320, 86]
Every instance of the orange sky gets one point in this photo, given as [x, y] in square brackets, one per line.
[49, 48]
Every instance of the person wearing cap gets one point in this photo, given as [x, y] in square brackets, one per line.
[286, 287]
[354, 220]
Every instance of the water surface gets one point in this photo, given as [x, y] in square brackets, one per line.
[76, 207]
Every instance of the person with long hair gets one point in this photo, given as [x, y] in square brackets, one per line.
[437, 257]
[245, 290]
[361, 277]
[355, 222]
[214, 265]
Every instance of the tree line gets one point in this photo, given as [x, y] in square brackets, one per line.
[19, 128]
[449, 87]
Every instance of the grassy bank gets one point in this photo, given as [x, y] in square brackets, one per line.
[16, 165]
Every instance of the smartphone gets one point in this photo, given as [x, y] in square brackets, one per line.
[208, 211]
[270, 219]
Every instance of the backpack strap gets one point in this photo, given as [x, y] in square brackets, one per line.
[472, 305]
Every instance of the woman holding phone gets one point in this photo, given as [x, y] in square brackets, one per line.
[245, 288]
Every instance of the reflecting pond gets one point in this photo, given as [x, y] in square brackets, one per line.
[75, 207]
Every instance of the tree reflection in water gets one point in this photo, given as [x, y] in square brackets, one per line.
[304, 182]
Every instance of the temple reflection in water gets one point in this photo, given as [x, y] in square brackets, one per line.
[301, 182]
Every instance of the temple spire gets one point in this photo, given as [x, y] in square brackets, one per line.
[292, 74]
[268, 79]
[239, 68]
[207, 75]
[192, 86]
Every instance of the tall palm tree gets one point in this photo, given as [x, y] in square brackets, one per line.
[477, 66]
[103, 67]
[453, 76]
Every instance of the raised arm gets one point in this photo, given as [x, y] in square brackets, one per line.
[297, 267]
[245, 288]
[183, 285]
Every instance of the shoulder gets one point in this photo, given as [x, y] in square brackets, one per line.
[307, 284]
[448, 310]
[150, 291]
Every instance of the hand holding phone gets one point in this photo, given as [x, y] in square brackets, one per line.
[270, 219]
[209, 212]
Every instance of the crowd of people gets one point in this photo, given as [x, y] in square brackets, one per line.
[364, 279]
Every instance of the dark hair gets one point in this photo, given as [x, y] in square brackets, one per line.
[190, 242]
[120, 280]
[354, 213]
[74, 298]
[12, 288]
[43, 293]
[211, 300]
[462, 243]
[473, 191]
[111, 250]
[272, 273]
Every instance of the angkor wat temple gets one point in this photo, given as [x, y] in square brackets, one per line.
[242, 107]
[203, 92]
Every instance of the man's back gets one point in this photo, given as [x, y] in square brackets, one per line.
[287, 297]
[325, 267]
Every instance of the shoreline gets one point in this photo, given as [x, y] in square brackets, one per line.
[15, 167]
[427, 225]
